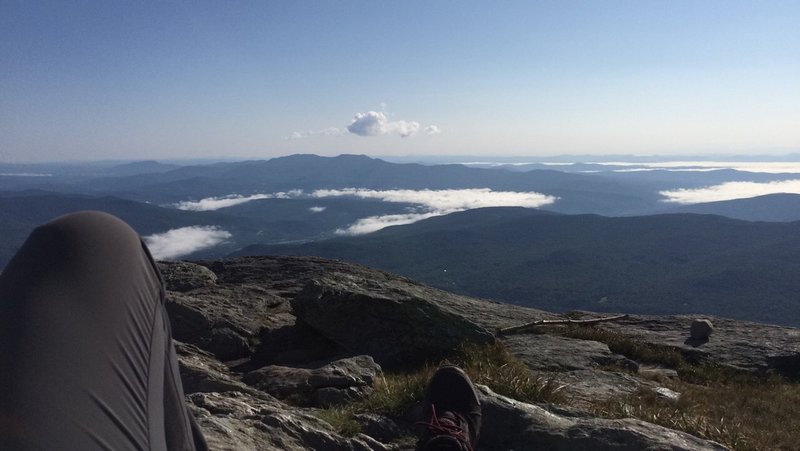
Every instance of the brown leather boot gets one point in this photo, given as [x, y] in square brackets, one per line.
[452, 412]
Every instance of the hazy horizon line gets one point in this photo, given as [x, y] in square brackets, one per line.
[789, 156]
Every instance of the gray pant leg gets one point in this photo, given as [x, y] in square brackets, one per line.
[86, 358]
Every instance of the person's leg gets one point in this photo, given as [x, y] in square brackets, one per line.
[86, 358]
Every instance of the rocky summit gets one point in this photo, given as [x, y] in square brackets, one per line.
[265, 343]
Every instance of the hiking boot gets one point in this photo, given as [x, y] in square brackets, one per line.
[452, 412]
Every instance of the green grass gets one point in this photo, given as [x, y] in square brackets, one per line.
[746, 416]
[742, 411]
[341, 418]
[492, 365]
[739, 409]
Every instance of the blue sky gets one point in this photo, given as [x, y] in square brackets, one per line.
[119, 80]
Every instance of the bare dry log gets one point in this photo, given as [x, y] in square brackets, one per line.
[549, 322]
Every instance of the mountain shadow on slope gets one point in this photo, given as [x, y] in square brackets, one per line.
[675, 263]
[781, 207]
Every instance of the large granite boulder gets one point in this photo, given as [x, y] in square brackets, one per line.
[186, 276]
[213, 314]
[398, 324]
[200, 324]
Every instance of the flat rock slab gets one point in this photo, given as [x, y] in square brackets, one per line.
[584, 387]
[510, 424]
[555, 353]
[738, 344]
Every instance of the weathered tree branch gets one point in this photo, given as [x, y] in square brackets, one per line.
[549, 322]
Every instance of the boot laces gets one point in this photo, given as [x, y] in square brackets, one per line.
[446, 427]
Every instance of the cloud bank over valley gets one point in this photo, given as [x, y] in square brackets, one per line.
[175, 243]
[428, 203]
[447, 199]
[433, 203]
[215, 203]
[730, 191]
[768, 167]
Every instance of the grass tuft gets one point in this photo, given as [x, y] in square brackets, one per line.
[739, 409]
[341, 418]
[492, 365]
[635, 348]
[746, 416]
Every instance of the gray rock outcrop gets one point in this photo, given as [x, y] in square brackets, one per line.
[334, 383]
[391, 321]
[237, 421]
[295, 326]
[740, 345]
[185, 276]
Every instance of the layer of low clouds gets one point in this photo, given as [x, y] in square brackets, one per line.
[183, 241]
[24, 174]
[664, 169]
[330, 131]
[428, 203]
[375, 123]
[771, 167]
[433, 202]
[215, 203]
[730, 191]
[375, 223]
[447, 199]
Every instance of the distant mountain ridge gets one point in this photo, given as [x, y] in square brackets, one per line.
[576, 192]
[606, 192]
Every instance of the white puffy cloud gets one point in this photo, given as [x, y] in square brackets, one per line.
[185, 240]
[330, 131]
[435, 202]
[729, 191]
[432, 130]
[374, 123]
[215, 203]
[317, 209]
